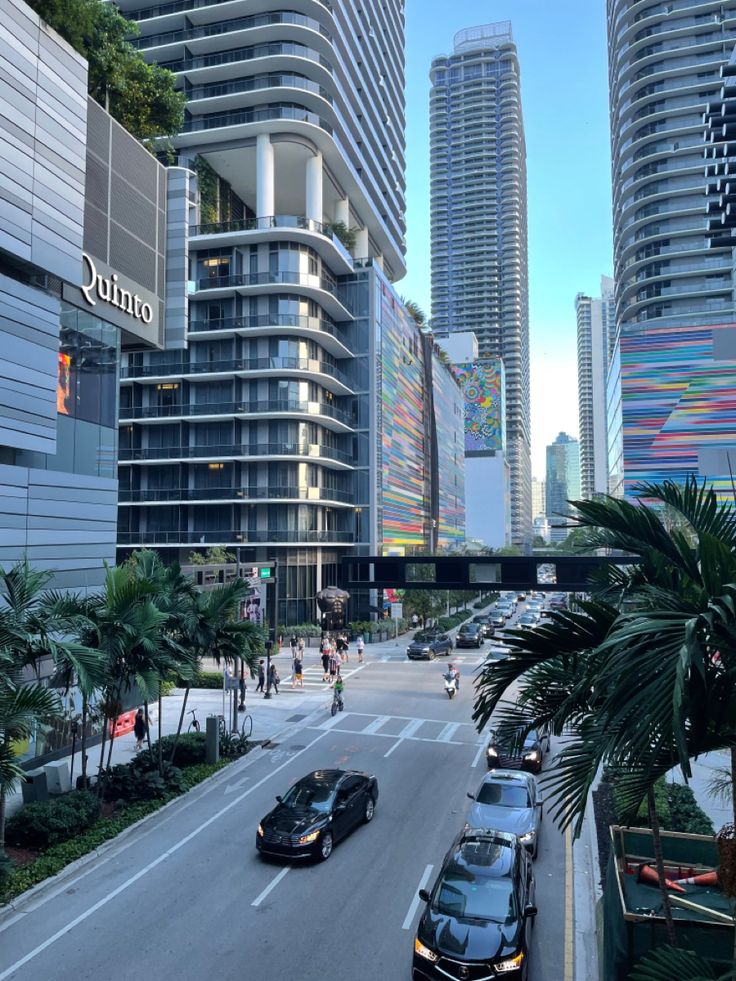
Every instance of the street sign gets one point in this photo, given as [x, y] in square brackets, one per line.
[397, 611]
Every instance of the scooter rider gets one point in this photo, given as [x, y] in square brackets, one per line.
[454, 672]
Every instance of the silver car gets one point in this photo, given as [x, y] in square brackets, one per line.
[508, 800]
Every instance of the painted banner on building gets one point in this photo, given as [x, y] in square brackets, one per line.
[482, 383]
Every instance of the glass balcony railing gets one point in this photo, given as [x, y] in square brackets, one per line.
[268, 279]
[266, 320]
[228, 27]
[307, 365]
[181, 6]
[259, 537]
[234, 450]
[238, 494]
[239, 117]
[237, 408]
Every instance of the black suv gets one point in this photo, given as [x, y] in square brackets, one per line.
[500, 755]
[484, 622]
[469, 635]
[479, 915]
[427, 645]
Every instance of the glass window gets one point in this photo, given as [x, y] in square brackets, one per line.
[503, 795]
[466, 896]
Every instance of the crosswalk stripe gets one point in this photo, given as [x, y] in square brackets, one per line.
[448, 732]
[375, 725]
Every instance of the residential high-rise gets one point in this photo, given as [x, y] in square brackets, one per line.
[595, 329]
[479, 227]
[263, 437]
[539, 503]
[562, 482]
[671, 371]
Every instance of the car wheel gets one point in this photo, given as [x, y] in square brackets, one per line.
[370, 809]
[325, 846]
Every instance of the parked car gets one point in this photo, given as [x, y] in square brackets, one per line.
[484, 622]
[479, 914]
[530, 756]
[316, 812]
[427, 645]
[507, 800]
[469, 635]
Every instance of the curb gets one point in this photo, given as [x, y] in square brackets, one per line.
[587, 893]
[58, 882]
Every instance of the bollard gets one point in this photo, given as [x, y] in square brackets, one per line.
[212, 730]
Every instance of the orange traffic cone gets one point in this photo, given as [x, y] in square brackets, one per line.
[704, 879]
[648, 875]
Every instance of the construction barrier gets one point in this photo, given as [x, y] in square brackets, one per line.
[123, 724]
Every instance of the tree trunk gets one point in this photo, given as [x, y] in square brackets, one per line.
[84, 741]
[160, 744]
[105, 724]
[733, 784]
[181, 723]
[2, 811]
[659, 862]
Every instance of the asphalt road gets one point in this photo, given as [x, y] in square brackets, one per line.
[187, 896]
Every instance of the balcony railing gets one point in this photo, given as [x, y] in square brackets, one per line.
[236, 408]
[238, 494]
[311, 450]
[267, 279]
[272, 50]
[309, 365]
[267, 320]
[179, 6]
[228, 27]
[281, 537]
[258, 83]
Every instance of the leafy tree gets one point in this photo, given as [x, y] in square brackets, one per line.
[140, 96]
[415, 312]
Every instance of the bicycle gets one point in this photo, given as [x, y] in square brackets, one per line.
[337, 703]
[246, 729]
[194, 724]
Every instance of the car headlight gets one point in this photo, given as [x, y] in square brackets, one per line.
[533, 757]
[260, 830]
[510, 964]
[423, 951]
[528, 837]
[308, 839]
[492, 751]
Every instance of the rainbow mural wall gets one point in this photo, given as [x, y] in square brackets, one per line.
[403, 517]
[482, 383]
[678, 405]
[449, 412]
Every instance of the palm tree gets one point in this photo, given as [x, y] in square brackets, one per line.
[30, 632]
[647, 689]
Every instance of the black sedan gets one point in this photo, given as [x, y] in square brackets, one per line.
[316, 812]
[469, 635]
[484, 622]
[427, 645]
[479, 914]
[529, 756]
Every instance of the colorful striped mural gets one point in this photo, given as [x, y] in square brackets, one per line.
[403, 518]
[678, 405]
[449, 411]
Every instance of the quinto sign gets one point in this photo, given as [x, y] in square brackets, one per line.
[106, 288]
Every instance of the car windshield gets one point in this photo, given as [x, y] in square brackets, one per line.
[311, 795]
[503, 795]
[424, 637]
[474, 897]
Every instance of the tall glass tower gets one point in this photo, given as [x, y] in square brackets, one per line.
[479, 226]
[256, 437]
[673, 352]
[595, 327]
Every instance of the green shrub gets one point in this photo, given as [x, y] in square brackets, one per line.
[43, 823]
[136, 781]
[167, 687]
[686, 815]
[6, 869]
[190, 749]
[233, 744]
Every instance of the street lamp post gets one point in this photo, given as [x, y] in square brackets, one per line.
[273, 587]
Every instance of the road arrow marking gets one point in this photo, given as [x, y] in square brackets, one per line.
[232, 787]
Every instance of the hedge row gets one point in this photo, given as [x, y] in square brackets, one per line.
[677, 810]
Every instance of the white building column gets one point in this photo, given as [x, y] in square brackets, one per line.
[314, 188]
[265, 184]
[342, 211]
[361, 244]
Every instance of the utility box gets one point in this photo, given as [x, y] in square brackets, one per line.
[34, 787]
[58, 780]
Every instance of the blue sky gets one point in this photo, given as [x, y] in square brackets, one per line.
[564, 84]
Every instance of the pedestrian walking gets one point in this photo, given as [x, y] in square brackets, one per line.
[342, 647]
[293, 645]
[300, 647]
[298, 678]
[326, 651]
[334, 665]
[261, 676]
[361, 648]
[140, 728]
[273, 679]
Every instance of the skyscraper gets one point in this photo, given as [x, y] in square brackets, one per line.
[672, 371]
[562, 482]
[595, 328]
[479, 228]
[257, 437]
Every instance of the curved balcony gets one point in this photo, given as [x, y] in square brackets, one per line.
[328, 456]
[235, 537]
[321, 289]
[220, 28]
[185, 6]
[272, 50]
[328, 415]
[289, 325]
[327, 374]
[237, 495]
[275, 228]
[258, 114]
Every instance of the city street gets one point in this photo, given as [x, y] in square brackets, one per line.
[186, 894]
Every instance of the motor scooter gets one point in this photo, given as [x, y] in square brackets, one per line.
[450, 684]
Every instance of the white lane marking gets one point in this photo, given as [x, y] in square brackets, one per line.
[448, 732]
[409, 729]
[148, 868]
[327, 725]
[416, 900]
[375, 725]
[232, 787]
[272, 885]
[476, 758]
